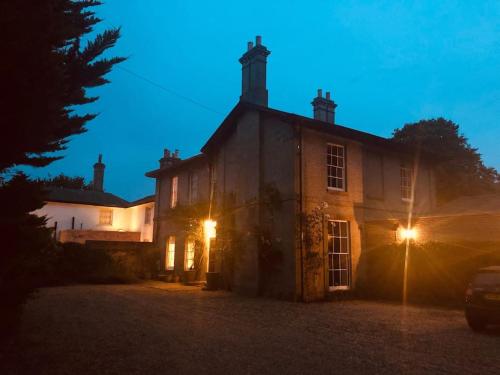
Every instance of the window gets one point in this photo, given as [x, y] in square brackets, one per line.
[147, 215]
[173, 192]
[170, 254]
[193, 188]
[339, 257]
[106, 216]
[189, 253]
[335, 164]
[406, 182]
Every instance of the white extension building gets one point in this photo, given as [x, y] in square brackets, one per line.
[80, 215]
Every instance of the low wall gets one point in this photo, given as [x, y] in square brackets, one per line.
[82, 236]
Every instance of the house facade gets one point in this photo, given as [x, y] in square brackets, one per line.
[93, 214]
[290, 195]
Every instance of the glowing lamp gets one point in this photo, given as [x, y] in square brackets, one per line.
[209, 228]
[408, 234]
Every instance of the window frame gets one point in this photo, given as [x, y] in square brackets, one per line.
[329, 165]
[331, 254]
[103, 211]
[405, 174]
[170, 254]
[193, 182]
[189, 254]
[174, 188]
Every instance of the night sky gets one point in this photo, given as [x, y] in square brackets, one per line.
[387, 63]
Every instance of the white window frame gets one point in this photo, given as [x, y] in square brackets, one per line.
[174, 185]
[193, 188]
[335, 163]
[170, 254]
[189, 251]
[406, 181]
[344, 253]
[106, 216]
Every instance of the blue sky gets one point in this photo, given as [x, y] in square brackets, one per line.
[386, 63]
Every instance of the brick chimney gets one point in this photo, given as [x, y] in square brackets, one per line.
[324, 108]
[98, 181]
[169, 158]
[253, 83]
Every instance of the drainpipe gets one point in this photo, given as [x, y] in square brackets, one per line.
[300, 217]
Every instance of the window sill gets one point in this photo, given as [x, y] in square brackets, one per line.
[335, 190]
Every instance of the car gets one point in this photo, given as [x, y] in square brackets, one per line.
[482, 299]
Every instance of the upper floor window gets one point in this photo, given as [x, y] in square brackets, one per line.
[106, 216]
[406, 183]
[173, 192]
[147, 215]
[193, 188]
[335, 165]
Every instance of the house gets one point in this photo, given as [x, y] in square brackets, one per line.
[286, 197]
[81, 215]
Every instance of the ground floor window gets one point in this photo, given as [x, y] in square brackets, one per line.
[339, 255]
[170, 253]
[189, 254]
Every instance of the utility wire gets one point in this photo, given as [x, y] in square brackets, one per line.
[172, 92]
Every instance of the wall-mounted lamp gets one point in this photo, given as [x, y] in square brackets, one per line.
[407, 234]
[209, 229]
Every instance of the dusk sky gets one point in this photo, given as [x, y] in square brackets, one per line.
[386, 63]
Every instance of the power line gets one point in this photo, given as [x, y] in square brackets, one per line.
[171, 92]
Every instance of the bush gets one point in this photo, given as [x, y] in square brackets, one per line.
[438, 273]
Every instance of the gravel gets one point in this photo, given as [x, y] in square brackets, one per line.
[158, 328]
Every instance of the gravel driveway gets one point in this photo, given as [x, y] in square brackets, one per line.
[158, 328]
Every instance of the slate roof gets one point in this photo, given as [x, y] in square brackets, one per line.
[470, 205]
[91, 197]
[334, 129]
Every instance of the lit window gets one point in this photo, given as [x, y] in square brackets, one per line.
[193, 188]
[170, 253]
[147, 215]
[106, 216]
[173, 194]
[335, 165]
[189, 263]
[339, 257]
[406, 182]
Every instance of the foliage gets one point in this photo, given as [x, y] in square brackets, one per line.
[459, 169]
[313, 226]
[63, 181]
[45, 73]
[438, 273]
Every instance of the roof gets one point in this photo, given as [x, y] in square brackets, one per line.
[334, 129]
[177, 165]
[92, 197]
[470, 205]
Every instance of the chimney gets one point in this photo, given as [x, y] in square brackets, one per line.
[324, 108]
[253, 62]
[98, 181]
[169, 158]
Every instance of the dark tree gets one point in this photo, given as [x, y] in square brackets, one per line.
[459, 169]
[64, 181]
[45, 74]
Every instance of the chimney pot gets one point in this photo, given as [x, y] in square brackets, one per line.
[324, 108]
[320, 93]
[258, 40]
[328, 95]
[249, 46]
[98, 181]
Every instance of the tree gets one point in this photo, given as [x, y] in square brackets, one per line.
[459, 169]
[64, 181]
[45, 74]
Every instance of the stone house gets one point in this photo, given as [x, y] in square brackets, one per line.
[93, 214]
[290, 195]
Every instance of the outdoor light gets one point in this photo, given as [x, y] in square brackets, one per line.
[209, 227]
[407, 234]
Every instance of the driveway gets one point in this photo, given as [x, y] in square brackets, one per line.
[158, 328]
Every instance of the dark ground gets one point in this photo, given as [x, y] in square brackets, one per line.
[158, 328]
